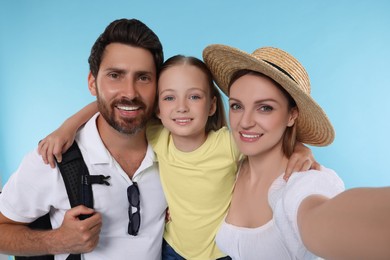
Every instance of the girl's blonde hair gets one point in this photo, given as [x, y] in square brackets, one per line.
[218, 119]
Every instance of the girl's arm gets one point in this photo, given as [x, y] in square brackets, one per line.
[353, 225]
[301, 160]
[61, 139]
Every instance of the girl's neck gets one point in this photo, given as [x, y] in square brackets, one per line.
[188, 143]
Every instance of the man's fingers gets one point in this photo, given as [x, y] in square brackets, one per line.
[79, 210]
[94, 221]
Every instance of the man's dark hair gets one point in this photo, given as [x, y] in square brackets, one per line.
[127, 31]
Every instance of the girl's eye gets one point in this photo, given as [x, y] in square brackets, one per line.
[195, 97]
[235, 106]
[168, 98]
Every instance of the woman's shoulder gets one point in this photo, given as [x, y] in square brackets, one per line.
[323, 177]
[300, 185]
[286, 197]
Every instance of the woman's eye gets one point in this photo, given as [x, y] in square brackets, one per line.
[168, 98]
[235, 106]
[266, 108]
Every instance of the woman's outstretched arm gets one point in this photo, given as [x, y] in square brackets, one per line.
[353, 225]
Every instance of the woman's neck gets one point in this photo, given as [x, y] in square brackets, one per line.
[266, 167]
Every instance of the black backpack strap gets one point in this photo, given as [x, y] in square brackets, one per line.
[78, 186]
[73, 171]
[78, 182]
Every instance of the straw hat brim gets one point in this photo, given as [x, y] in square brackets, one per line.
[313, 125]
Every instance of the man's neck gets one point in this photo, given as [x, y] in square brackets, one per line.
[128, 150]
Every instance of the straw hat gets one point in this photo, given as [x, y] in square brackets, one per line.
[313, 126]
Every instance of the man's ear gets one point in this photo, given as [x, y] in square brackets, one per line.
[92, 84]
[293, 116]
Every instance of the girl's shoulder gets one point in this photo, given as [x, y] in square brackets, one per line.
[154, 129]
[224, 140]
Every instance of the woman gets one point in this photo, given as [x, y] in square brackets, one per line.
[270, 110]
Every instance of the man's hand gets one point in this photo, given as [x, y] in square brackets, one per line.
[74, 236]
[78, 236]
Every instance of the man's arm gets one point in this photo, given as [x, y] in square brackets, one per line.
[73, 236]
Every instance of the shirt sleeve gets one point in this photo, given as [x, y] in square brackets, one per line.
[23, 198]
[301, 185]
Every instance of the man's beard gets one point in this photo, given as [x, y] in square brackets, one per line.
[129, 126]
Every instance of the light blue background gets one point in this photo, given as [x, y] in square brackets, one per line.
[44, 46]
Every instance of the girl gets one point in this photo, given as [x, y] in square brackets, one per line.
[270, 110]
[197, 157]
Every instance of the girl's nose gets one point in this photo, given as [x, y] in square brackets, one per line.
[182, 106]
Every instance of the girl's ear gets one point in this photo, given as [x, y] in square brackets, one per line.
[92, 84]
[213, 106]
[293, 116]
[158, 112]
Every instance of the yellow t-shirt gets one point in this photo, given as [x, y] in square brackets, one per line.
[198, 186]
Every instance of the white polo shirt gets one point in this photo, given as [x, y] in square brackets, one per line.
[35, 189]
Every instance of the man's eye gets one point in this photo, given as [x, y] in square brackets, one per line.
[113, 75]
[144, 78]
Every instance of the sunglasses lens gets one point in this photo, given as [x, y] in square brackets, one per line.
[133, 195]
[134, 224]
[134, 217]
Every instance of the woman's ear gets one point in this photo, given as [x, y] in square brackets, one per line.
[213, 106]
[293, 116]
[92, 84]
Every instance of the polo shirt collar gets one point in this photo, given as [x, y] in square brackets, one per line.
[89, 138]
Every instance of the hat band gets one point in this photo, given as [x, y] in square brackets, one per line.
[280, 69]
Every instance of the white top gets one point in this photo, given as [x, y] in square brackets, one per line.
[280, 238]
[35, 188]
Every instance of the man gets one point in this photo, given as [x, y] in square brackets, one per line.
[124, 64]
